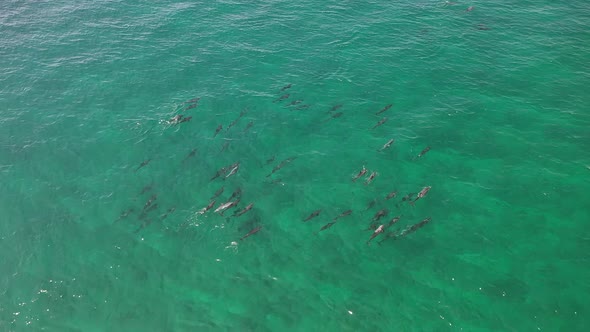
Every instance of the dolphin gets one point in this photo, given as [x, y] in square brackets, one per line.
[252, 232]
[371, 177]
[143, 164]
[328, 225]
[281, 165]
[190, 155]
[371, 204]
[248, 126]
[165, 215]
[217, 130]
[388, 144]
[360, 173]
[390, 235]
[246, 209]
[236, 194]
[175, 120]
[283, 97]
[191, 106]
[423, 152]
[226, 206]
[391, 195]
[393, 221]
[125, 214]
[218, 192]
[194, 100]
[335, 107]
[146, 211]
[415, 227]
[220, 172]
[233, 123]
[384, 109]
[421, 194]
[313, 215]
[146, 188]
[337, 115]
[233, 169]
[382, 121]
[343, 214]
[206, 208]
[150, 201]
[380, 214]
[224, 146]
[378, 231]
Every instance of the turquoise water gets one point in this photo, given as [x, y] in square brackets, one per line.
[499, 93]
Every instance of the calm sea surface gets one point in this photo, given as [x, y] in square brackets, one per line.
[105, 165]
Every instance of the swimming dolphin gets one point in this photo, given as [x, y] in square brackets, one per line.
[382, 121]
[371, 204]
[391, 195]
[335, 107]
[218, 192]
[328, 225]
[165, 215]
[226, 206]
[380, 214]
[360, 173]
[415, 227]
[194, 100]
[233, 169]
[190, 155]
[224, 146]
[371, 178]
[343, 214]
[421, 194]
[281, 165]
[125, 214]
[206, 208]
[143, 164]
[220, 172]
[146, 188]
[283, 97]
[252, 232]
[217, 130]
[150, 201]
[246, 209]
[248, 126]
[233, 123]
[393, 221]
[236, 194]
[191, 106]
[384, 109]
[388, 144]
[175, 120]
[423, 152]
[313, 215]
[390, 235]
[378, 231]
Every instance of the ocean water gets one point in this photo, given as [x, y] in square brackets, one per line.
[499, 93]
